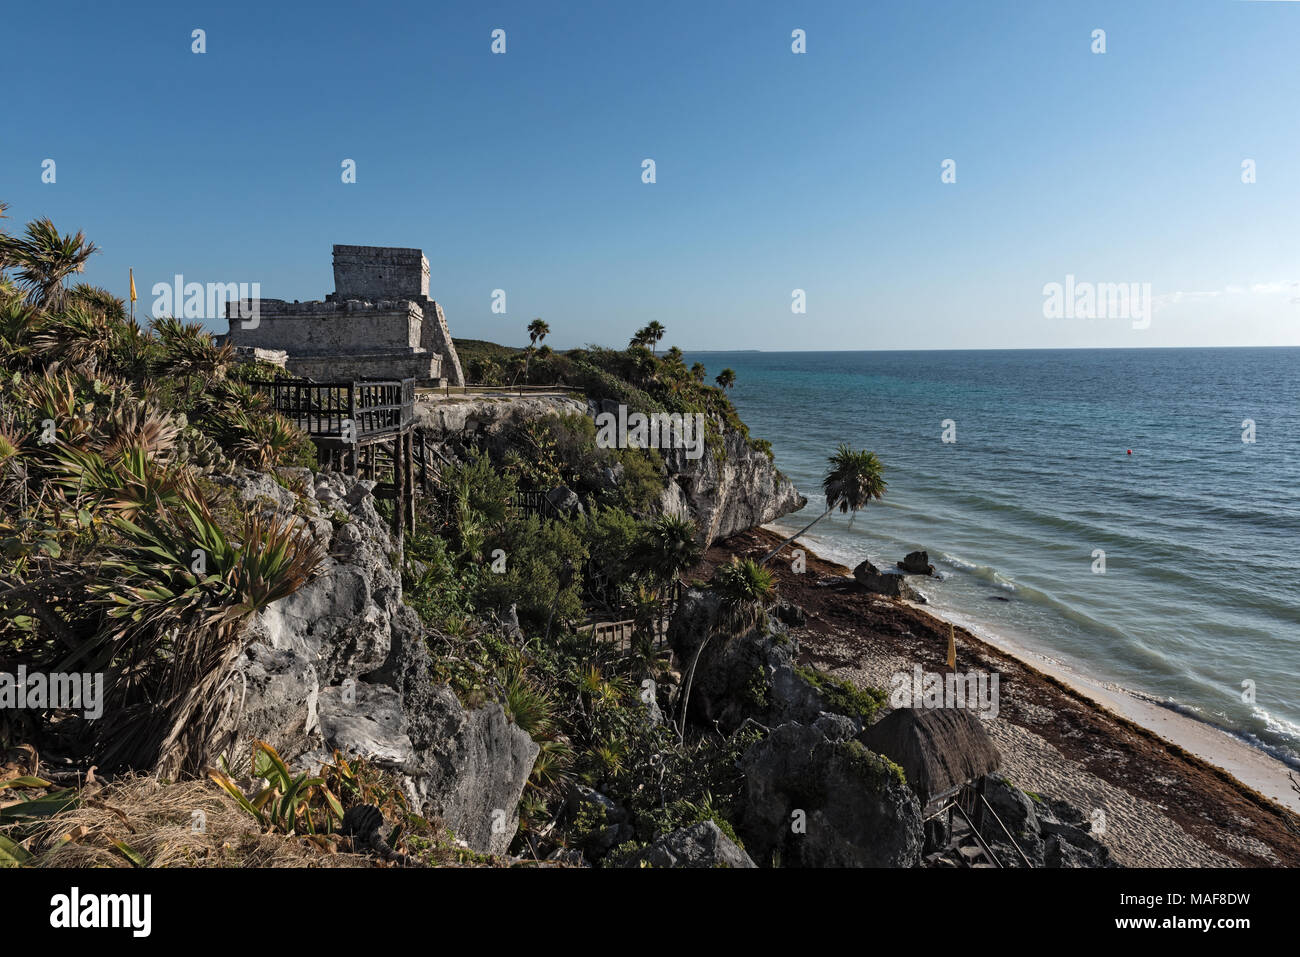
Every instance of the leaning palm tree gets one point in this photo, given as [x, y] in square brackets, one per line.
[851, 482]
[45, 258]
[726, 378]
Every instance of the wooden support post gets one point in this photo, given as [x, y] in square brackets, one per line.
[399, 495]
[410, 481]
[424, 466]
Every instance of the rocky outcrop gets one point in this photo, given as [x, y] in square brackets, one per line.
[725, 491]
[486, 421]
[1050, 832]
[917, 563]
[700, 845]
[741, 675]
[814, 798]
[728, 493]
[342, 664]
[891, 583]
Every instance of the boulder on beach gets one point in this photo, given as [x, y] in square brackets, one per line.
[890, 582]
[917, 563]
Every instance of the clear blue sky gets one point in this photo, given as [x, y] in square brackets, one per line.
[775, 171]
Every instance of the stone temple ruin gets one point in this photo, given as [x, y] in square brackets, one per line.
[379, 323]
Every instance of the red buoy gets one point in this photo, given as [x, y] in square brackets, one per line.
[1130, 451]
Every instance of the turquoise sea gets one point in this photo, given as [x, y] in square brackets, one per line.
[1200, 530]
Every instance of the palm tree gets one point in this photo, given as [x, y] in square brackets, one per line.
[4, 244]
[726, 379]
[45, 259]
[669, 548]
[698, 371]
[654, 331]
[517, 365]
[537, 331]
[640, 338]
[674, 355]
[851, 482]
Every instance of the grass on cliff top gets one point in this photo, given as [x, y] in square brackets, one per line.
[642, 379]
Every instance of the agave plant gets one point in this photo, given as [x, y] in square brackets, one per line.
[98, 299]
[19, 322]
[187, 351]
[265, 440]
[745, 586]
[288, 803]
[59, 396]
[175, 602]
[127, 485]
[529, 705]
[142, 427]
[79, 334]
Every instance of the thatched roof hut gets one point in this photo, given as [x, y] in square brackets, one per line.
[939, 749]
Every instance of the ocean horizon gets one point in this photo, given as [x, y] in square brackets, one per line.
[1128, 513]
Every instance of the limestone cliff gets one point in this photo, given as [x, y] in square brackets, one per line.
[724, 494]
[342, 664]
[729, 493]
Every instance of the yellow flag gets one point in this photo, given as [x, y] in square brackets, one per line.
[132, 285]
[952, 647]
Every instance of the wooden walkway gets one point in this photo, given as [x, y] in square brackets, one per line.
[617, 639]
[363, 427]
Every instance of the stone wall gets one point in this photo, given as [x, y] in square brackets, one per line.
[370, 365]
[331, 328]
[376, 272]
[436, 337]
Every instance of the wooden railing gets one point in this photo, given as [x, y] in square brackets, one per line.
[375, 408]
[518, 389]
[533, 503]
[617, 639]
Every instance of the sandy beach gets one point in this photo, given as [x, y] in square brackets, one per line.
[1172, 791]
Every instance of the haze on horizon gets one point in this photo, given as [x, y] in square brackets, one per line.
[775, 170]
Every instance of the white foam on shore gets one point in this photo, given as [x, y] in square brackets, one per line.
[1245, 761]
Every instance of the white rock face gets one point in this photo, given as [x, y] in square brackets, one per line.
[342, 664]
[724, 494]
[741, 491]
